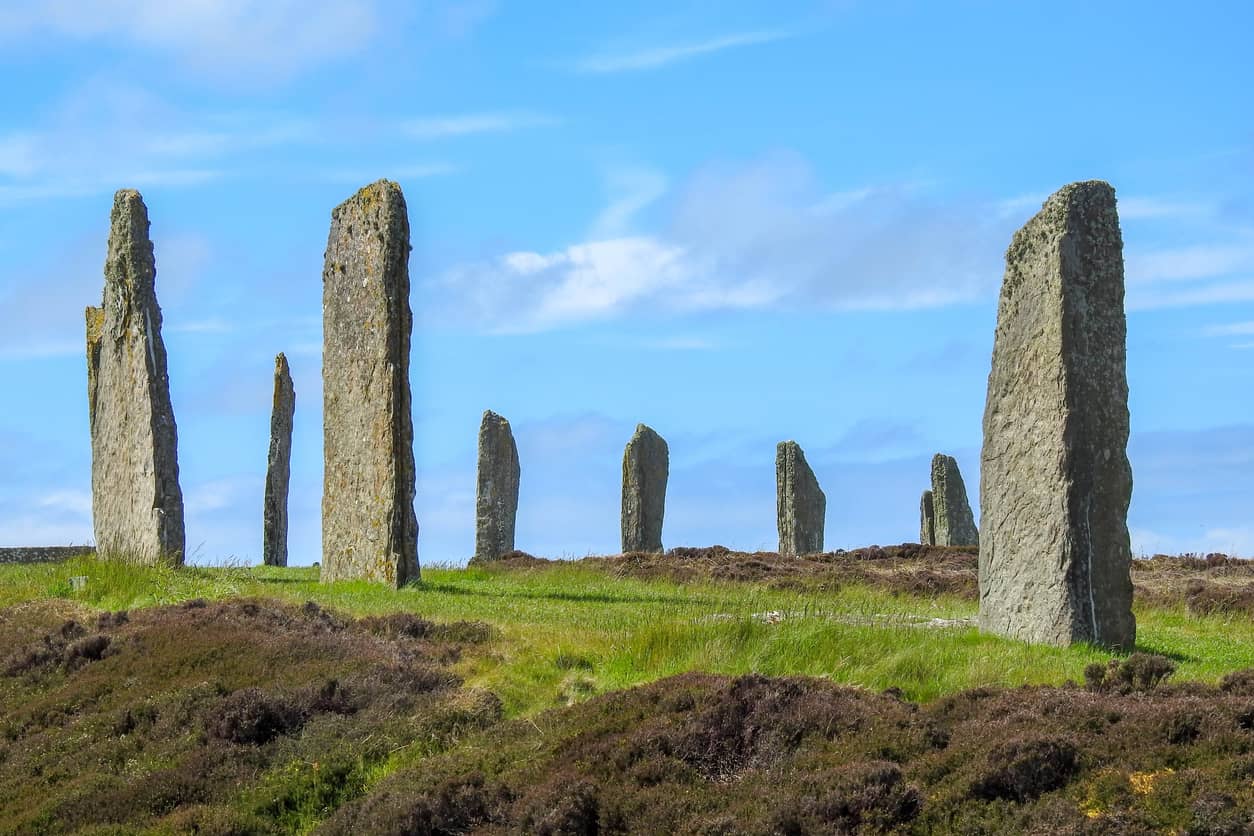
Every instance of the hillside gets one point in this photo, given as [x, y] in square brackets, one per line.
[699, 692]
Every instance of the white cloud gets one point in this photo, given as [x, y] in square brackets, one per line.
[253, 40]
[651, 58]
[631, 189]
[444, 127]
[1230, 330]
[103, 135]
[1208, 294]
[738, 237]
[1189, 263]
[71, 501]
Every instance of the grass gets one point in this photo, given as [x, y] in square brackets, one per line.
[569, 631]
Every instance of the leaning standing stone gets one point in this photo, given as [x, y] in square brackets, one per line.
[137, 504]
[1055, 481]
[954, 523]
[278, 466]
[645, 464]
[800, 505]
[496, 500]
[927, 520]
[369, 531]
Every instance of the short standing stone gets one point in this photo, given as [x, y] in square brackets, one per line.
[1055, 481]
[800, 505]
[927, 520]
[369, 531]
[496, 499]
[954, 522]
[137, 504]
[278, 466]
[645, 464]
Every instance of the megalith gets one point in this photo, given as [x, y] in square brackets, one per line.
[136, 501]
[927, 520]
[278, 466]
[369, 530]
[496, 497]
[800, 505]
[1055, 481]
[646, 461]
[954, 524]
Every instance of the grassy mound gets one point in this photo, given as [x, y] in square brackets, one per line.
[699, 692]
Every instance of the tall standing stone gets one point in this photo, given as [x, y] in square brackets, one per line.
[1055, 481]
[800, 505]
[646, 461]
[137, 504]
[954, 523]
[369, 531]
[496, 499]
[927, 520]
[278, 466]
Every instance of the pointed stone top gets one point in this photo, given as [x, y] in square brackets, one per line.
[280, 362]
[644, 430]
[490, 417]
[130, 258]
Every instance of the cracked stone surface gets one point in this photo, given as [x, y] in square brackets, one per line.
[646, 463]
[1055, 481]
[369, 530]
[496, 496]
[137, 504]
[278, 466]
[800, 505]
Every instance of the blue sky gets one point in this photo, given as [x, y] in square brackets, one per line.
[736, 222]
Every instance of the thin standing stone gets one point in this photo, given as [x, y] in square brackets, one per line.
[1055, 482]
[927, 520]
[278, 466]
[137, 504]
[496, 499]
[800, 505]
[369, 530]
[646, 461]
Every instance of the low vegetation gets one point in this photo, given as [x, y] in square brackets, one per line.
[698, 692]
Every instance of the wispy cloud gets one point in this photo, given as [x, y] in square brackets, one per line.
[651, 58]
[444, 127]
[1229, 330]
[737, 237]
[253, 40]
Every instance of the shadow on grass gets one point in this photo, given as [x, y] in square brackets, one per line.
[1170, 654]
[577, 597]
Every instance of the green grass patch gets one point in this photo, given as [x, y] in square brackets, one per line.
[565, 632]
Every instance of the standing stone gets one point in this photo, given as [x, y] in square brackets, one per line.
[369, 531]
[954, 522]
[137, 505]
[927, 520]
[278, 466]
[645, 464]
[1055, 481]
[496, 500]
[800, 505]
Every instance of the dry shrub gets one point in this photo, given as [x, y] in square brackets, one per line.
[1024, 769]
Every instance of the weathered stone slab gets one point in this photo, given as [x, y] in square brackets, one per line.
[800, 505]
[646, 462]
[1055, 481]
[369, 530]
[954, 524]
[278, 466]
[137, 504]
[496, 500]
[927, 520]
